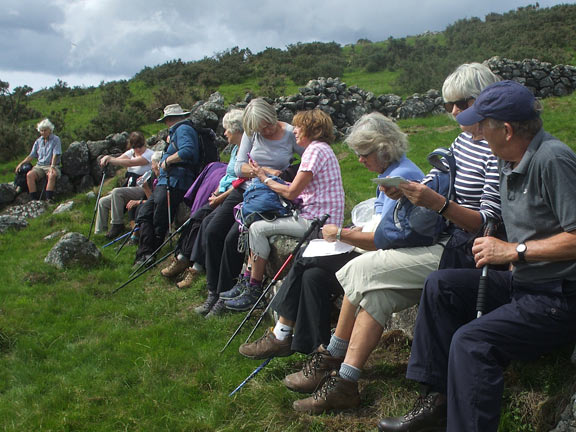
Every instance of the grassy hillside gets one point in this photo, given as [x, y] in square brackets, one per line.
[74, 357]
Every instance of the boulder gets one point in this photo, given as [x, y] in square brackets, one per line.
[64, 207]
[76, 160]
[567, 421]
[7, 193]
[97, 148]
[8, 221]
[73, 249]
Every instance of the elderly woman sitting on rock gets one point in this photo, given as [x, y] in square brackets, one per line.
[48, 150]
[318, 184]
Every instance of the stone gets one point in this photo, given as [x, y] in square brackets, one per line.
[55, 235]
[8, 221]
[64, 207]
[567, 421]
[97, 148]
[73, 249]
[7, 193]
[76, 160]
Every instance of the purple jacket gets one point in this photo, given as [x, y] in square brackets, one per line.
[206, 183]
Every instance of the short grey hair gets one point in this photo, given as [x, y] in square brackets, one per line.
[467, 82]
[156, 156]
[376, 132]
[45, 124]
[232, 121]
[526, 129]
[257, 112]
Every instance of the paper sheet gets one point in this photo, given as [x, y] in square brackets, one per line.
[320, 247]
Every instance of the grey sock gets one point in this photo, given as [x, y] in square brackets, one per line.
[350, 373]
[337, 347]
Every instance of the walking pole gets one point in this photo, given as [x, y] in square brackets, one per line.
[252, 375]
[117, 239]
[315, 223]
[97, 201]
[134, 229]
[481, 299]
[169, 204]
[154, 264]
[161, 246]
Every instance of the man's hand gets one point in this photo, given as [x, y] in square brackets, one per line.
[132, 203]
[17, 168]
[164, 165]
[490, 250]
[104, 161]
[329, 232]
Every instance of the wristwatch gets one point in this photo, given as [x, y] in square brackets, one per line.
[521, 250]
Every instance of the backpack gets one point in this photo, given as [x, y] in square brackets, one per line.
[20, 177]
[206, 145]
[261, 202]
[408, 225]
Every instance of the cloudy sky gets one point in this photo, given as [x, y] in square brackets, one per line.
[84, 42]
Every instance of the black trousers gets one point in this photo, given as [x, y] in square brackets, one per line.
[153, 218]
[306, 295]
[219, 237]
[189, 234]
[465, 357]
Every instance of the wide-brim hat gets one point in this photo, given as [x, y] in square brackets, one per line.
[173, 110]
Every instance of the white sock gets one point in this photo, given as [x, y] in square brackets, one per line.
[282, 331]
[198, 267]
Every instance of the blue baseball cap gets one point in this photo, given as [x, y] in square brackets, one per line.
[504, 100]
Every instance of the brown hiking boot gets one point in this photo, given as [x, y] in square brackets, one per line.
[335, 394]
[175, 268]
[267, 346]
[318, 364]
[189, 277]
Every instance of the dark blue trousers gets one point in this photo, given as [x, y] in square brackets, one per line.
[465, 357]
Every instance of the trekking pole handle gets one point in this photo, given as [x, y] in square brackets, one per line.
[481, 298]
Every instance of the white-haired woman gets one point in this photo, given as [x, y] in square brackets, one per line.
[303, 302]
[189, 254]
[379, 283]
[48, 150]
[270, 143]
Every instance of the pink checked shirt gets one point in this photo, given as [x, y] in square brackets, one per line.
[324, 194]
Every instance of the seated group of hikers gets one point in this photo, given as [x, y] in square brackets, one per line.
[504, 169]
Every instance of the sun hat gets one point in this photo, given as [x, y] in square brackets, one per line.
[173, 110]
[503, 100]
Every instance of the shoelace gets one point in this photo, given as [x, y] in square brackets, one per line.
[328, 383]
[422, 403]
[312, 363]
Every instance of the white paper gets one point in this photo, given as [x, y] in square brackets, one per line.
[389, 181]
[320, 247]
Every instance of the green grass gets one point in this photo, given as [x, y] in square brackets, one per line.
[73, 357]
[236, 92]
[376, 82]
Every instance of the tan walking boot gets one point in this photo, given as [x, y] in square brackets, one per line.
[318, 364]
[335, 394]
[175, 268]
[189, 277]
[267, 346]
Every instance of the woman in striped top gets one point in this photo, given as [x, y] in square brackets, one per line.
[377, 284]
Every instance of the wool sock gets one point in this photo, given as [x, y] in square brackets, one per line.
[255, 283]
[35, 195]
[49, 195]
[337, 347]
[282, 331]
[247, 274]
[349, 372]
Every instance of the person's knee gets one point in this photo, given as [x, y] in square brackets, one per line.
[31, 175]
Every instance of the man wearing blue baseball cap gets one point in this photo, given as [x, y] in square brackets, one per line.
[528, 311]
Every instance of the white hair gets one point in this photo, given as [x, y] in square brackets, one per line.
[467, 82]
[45, 124]
[256, 114]
[232, 121]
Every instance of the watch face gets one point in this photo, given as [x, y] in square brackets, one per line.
[521, 248]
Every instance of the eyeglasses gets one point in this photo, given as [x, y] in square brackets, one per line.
[461, 104]
[365, 155]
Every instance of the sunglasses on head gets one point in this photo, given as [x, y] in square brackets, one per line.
[462, 104]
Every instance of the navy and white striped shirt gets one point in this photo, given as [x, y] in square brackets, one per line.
[477, 179]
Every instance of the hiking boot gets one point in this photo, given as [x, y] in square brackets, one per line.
[245, 300]
[190, 275]
[335, 394]
[175, 268]
[204, 308]
[267, 346]
[236, 290]
[141, 260]
[429, 414]
[218, 309]
[115, 231]
[318, 364]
